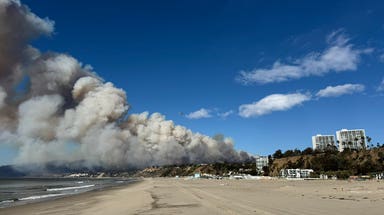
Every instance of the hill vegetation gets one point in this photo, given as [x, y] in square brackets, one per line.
[330, 161]
[220, 169]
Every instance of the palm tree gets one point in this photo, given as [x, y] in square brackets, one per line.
[350, 144]
[362, 142]
[369, 139]
[344, 144]
[355, 141]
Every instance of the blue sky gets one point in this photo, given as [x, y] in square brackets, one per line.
[269, 74]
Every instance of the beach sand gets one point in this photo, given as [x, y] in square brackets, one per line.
[181, 196]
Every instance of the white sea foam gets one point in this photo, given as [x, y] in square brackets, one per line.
[7, 201]
[41, 196]
[70, 188]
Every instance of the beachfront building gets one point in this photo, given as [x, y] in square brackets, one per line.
[197, 175]
[261, 162]
[296, 173]
[321, 142]
[352, 139]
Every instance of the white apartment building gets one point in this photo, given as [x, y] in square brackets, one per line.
[352, 139]
[261, 162]
[321, 142]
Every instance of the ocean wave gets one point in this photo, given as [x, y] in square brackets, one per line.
[7, 201]
[41, 196]
[70, 188]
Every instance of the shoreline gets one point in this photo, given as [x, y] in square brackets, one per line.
[70, 204]
[55, 191]
[204, 196]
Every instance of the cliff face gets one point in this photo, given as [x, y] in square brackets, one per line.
[332, 162]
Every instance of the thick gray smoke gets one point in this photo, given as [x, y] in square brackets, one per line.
[67, 113]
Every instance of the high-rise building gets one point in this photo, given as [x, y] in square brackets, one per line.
[261, 162]
[321, 142]
[352, 139]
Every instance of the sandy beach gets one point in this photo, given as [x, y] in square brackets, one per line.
[180, 196]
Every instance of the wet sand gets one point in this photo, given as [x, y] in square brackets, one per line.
[180, 196]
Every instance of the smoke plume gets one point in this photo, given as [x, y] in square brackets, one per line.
[54, 108]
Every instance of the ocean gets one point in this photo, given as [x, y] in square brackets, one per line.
[26, 190]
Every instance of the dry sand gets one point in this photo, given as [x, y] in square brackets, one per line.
[180, 196]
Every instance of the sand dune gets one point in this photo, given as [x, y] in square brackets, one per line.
[180, 196]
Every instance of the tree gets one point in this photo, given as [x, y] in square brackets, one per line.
[367, 167]
[278, 154]
[289, 153]
[344, 144]
[307, 151]
[346, 151]
[290, 165]
[362, 142]
[331, 149]
[300, 163]
[297, 152]
[265, 170]
[369, 139]
[381, 157]
[350, 144]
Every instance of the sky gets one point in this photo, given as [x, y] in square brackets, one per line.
[268, 74]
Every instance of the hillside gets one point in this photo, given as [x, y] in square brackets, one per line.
[342, 164]
[221, 169]
[59, 170]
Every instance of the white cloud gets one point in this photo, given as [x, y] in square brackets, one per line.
[338, 57]
[380, 88]
[381, 58]
[335, 91]
[271, 103]
[199, 114]
[225, 114]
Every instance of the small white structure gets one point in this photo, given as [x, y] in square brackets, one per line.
[379, 176]
[78, 175]
[237, 177]
[296, 173]
[323, 176]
